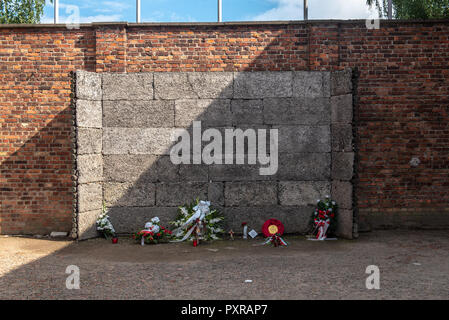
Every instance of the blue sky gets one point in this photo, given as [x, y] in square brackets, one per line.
[206, 10]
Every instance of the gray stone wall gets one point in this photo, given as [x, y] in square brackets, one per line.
[89, 124]
[125, 123]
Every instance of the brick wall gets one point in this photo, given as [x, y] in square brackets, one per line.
[401, 107]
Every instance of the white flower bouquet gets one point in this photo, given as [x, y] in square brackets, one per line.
[198, 219]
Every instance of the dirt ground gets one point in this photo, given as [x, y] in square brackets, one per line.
[412, 264]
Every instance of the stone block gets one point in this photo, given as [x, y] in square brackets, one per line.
[173, 85]
[342, 137]
[312, 84]
[128, 86]
[304, 166]
[216, 113]
[250, 194]
[303, 111]
[193, 85]
[295, 219]
[130, 168]
[88, 85]
[165, 171]
[150, 168]
[212, 85]
[87, 224]
[341, 82]
[89, 114]
[341, 108]
[216, 194]
[129, 194]
[236, 172]
[191, 172]
[152, 141]
[296, 139]
[342, 193]
[127, 220]
[139, 114]
[90, 197]
[247, 112]
[89, 141]
[266, 84]
[345, 224]
[342, 165]
[90, 168]
[176, 194]
[302, 193]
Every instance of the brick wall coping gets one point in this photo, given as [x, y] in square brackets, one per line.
[218, 24]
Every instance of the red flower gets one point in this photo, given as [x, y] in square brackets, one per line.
[244, 224]
[159, 234]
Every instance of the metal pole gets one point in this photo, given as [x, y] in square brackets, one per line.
[138, 11]
[220, 11]
[56, 11]
[306, 10]
[390, 9]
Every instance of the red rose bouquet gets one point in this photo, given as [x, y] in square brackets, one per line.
[325, 218]
[153, 233]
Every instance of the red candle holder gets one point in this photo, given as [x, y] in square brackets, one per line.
[195, 243]
[114, 240]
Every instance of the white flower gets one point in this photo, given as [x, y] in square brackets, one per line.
[318, 200]
[148, 225]
[155, 220]
[333, 202]
[152, 227]
[327, 196]
[184, 211]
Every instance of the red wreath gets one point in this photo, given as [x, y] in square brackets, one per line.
[272, 222]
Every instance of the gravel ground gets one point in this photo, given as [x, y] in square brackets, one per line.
[413, 265]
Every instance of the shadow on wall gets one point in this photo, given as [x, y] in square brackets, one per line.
[36, 180]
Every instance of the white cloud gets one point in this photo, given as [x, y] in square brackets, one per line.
[318, 9]
[284, 10]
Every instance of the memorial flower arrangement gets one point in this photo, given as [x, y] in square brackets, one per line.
[153, 233]
[273, 229]
[325, 218]
[197, 221]
[104, 225]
